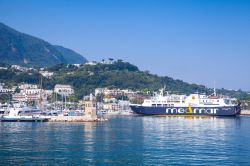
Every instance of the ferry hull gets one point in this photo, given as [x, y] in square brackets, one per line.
[200, 111]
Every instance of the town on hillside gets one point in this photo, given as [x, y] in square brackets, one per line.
[61, 99]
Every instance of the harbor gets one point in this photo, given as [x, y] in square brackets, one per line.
[172, 140]
[34, 104]
[93, 108]
[21, 114]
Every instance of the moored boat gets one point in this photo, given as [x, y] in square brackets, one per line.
[17, 115]
[194, 104]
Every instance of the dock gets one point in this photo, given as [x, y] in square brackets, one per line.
[245, 112]
[74, 119]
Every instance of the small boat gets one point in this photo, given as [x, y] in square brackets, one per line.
[17, 115]
[126, 112]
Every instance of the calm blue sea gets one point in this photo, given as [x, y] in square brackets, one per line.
[128, 140]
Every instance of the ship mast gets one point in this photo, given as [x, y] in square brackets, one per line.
[41, 98]
[214, 90]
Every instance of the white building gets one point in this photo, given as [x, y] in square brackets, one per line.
[114, 92]
[48, 92]
[110, 100]
[107, 62]
[32, 91]
[28, 92]
[92, 63]
[28, 86]
[46, 74]
[65, 90]
[3, 68]
[21, 97]
[20, 68]
[100, 91]
[123, 104]
[5, 90]
[77, 65]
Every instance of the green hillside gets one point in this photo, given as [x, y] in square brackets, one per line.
[22, 49]
[118, 75]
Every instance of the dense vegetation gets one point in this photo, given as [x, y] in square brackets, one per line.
[118, 75]
[25, 50]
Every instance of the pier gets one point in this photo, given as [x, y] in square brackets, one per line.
[245, 112]
[90, 114]
[74, 119]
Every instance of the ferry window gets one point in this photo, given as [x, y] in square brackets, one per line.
[158, 105]
[153, 104]
[165, 105]
[172, 105]
[226, 101]
[218, 101]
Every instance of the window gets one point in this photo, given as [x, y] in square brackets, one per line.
[226, 101]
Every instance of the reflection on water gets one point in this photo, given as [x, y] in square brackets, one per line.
[136, 140]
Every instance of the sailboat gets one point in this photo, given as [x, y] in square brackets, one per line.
[17, 112]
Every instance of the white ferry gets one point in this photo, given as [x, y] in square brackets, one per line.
[194, 104]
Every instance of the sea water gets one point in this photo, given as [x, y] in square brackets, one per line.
[128, 140]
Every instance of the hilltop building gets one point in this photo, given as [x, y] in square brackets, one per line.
[107, 62]
[92, 63]
[20, 68]
[46, 74]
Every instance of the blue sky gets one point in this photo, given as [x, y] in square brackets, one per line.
[198, 41]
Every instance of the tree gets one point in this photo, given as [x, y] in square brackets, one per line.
[111, 59]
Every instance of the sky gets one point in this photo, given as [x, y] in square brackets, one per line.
[197, 41]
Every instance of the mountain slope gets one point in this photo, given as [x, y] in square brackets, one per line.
[22, 49]
[70, 56]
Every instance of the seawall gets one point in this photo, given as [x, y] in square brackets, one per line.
[245, 112]
[74, 119]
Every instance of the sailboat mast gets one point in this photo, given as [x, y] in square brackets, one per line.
[214, 89]
[41, 98]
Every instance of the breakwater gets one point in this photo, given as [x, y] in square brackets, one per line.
[245, 112]
[74, 119]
